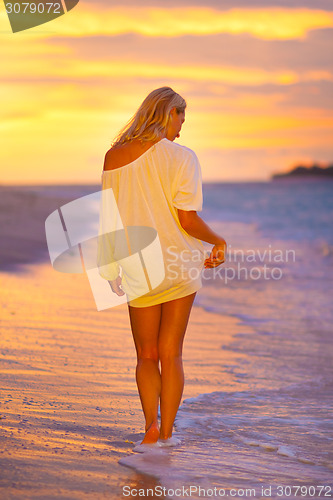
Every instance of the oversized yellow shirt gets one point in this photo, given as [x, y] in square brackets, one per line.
[144, 241]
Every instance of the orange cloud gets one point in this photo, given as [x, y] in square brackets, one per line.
[74, 68]
[264, 23]
[61, 135]
[288, 128]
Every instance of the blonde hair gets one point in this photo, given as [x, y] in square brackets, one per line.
[151, 119]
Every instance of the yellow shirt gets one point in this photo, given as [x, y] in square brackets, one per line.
[143, 239]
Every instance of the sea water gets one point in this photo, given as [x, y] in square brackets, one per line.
[275, 438]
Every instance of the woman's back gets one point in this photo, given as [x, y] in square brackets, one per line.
[148, 190]
[122, 155]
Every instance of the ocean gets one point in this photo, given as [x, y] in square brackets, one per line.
[275, 438]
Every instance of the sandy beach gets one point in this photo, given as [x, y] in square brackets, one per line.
[69, 405]
[256, 408]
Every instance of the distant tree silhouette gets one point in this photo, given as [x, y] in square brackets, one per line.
[302, 171]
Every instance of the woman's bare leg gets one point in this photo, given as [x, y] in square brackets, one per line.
[145, 324]
[174, 318]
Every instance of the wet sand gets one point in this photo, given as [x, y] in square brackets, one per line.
[69, 405]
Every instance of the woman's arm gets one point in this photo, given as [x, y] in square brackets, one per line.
[196, 227]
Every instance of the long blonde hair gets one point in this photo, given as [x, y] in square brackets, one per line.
[151, 119]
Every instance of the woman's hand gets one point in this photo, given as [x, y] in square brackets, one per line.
[217, 256]
[115, 286]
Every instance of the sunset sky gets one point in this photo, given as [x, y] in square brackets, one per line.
[257, 77]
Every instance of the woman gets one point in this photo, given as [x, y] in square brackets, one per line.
[157, 184]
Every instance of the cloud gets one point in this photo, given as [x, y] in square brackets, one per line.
[225, 5]
[72, 68]
[264, 23]
[227, 50]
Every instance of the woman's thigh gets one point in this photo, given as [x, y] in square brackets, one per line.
[174, 319]
[145, 325]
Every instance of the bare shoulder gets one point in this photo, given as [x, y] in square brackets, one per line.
[118, 156]
[114, 158]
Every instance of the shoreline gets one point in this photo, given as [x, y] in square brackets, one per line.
[70, 408]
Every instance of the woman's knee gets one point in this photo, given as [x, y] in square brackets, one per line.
[170, 357]
[148, 353]
[169, 348]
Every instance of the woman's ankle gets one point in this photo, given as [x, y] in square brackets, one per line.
[151, 424]
[165, 435]
[152, 433]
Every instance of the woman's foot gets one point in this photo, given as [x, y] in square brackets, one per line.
[152, 434]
